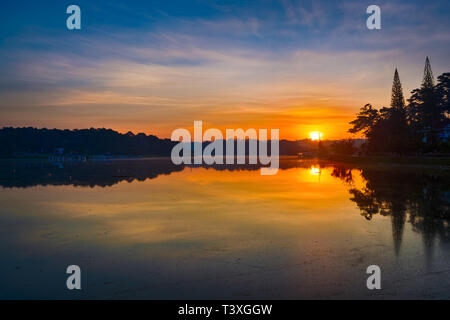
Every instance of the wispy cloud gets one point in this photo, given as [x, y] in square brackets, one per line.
[306, 64]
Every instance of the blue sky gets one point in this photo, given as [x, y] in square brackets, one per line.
[155, 66]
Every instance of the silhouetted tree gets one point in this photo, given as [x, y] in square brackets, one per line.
[400, 128]
[368, 121]
[365, 120]
[343, 147]
[443, 93]
[387, 129]
[86, 141]
[424, 110]
[396, 133]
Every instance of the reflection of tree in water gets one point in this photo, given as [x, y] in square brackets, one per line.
[24, 174]
[421, 198]
[342, 172]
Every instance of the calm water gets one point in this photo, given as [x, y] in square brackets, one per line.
[149, 229]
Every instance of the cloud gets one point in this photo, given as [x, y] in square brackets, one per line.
[251, 68]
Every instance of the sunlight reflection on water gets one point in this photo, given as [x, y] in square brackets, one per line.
[148, 229]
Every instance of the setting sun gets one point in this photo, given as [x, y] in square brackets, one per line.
[315, 135]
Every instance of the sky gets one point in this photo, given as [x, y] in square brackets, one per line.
[155, 66]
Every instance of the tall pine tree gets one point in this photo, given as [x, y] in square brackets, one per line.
[396, 125]
[428, 79]
[429, 110]
[429, 115]
[397, 99]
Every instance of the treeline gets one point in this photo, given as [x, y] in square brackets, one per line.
[418, 126]
[33, 141]
[85, 142]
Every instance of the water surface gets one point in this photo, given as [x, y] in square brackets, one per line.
[150, 229]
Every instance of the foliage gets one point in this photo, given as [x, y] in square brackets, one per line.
[86, 142]
[401, 128]
[343, 147]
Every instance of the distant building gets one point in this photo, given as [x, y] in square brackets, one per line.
[59, 156]
[58, 151]
[442, 134]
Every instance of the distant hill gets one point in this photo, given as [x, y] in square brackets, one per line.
[33, 141]
[15, 141]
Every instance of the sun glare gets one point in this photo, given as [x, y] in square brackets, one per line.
[315, 135]
[314, 170]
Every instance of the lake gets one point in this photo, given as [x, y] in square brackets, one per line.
[148, 229]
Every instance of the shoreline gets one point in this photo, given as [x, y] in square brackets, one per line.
[396, 160]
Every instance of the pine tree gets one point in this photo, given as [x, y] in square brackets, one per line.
[429, 109]
[425, 112]
[428, 79]
[429, 113]
[420, 104]
[397, 99]
[397, 127]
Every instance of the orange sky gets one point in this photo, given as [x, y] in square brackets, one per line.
[281, 68]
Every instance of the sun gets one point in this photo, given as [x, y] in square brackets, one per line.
[315, 135]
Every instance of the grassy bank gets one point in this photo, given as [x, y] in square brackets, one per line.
[407, 160]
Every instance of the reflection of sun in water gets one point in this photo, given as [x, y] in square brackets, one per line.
[314, 170]
[315, 135]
